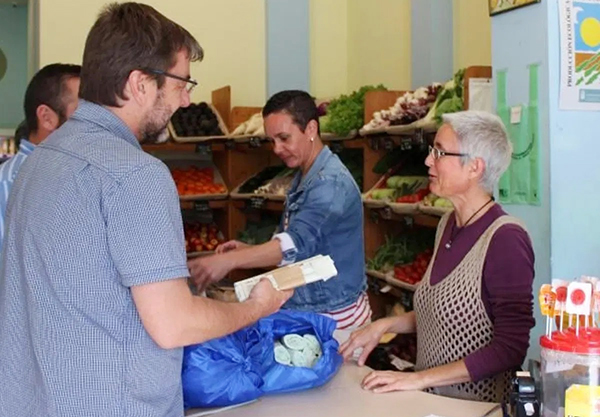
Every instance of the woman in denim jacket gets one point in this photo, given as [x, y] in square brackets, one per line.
[323, 215]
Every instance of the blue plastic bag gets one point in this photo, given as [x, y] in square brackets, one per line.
[281, 378]
[223, 371]
[241, 367]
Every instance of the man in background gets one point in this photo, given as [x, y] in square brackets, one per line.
[50, 99]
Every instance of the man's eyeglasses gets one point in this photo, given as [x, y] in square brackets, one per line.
[191, 82]
[438, 153]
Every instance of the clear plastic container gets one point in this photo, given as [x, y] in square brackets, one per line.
[570, 373]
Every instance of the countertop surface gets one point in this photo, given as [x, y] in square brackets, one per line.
[343, 396]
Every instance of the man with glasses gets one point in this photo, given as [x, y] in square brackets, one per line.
[50, 99]
[94, 302]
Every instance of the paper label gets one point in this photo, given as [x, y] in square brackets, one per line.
[515, 114]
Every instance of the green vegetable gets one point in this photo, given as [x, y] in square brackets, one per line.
[450, 99]
[260, 231]
[401, 249]
[383, 194]
[346, 113]
[442, 203]
[397, 181]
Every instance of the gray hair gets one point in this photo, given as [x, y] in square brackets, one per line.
[482, 135]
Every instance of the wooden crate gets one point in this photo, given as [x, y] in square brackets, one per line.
[197, 139]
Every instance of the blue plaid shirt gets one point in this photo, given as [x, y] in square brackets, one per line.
[90, 215]
[8, 173]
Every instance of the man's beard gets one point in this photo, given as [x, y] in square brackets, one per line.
[156, 122]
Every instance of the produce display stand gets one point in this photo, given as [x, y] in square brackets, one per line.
[237, 158]
[382, 218]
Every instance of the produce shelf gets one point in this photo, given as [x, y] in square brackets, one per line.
[188, 204]
[403, 208]
[389, 278]
[170, 147]
[272, 205]
[326, 136]
[376, 274]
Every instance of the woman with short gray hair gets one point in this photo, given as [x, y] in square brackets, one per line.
[473, 310]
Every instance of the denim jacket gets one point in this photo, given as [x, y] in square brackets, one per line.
[324, 215]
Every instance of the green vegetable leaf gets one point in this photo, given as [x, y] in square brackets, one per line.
[346, 113]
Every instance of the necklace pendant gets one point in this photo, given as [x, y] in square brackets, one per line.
[448, 245]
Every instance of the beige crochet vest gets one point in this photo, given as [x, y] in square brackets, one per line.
[452, 321]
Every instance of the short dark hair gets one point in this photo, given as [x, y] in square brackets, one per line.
[48, 87]
[128, 37]
[298, 104]
[21, 133]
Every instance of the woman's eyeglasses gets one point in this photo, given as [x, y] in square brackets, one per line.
[438, 153]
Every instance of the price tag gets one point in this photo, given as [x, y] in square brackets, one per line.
[406, 144]
[203, 149]
[255, 142]
[257, 202]
[201, 206]
[374, 143]
[388, 144]
[515, 114]
[386, 213]
[419, 136]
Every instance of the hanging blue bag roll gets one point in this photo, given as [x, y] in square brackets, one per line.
[279, 378]
[223, 371]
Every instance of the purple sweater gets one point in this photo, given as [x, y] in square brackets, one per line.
[506, 290]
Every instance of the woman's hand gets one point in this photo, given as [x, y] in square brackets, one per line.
[388, 381]
[366, 338]
[231, 245]
[206, 270]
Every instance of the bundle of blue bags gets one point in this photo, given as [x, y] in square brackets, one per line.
[241, 367]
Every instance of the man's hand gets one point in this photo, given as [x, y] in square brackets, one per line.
[231, 245]
[268, 298]
[206, 270]
[388, 381]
